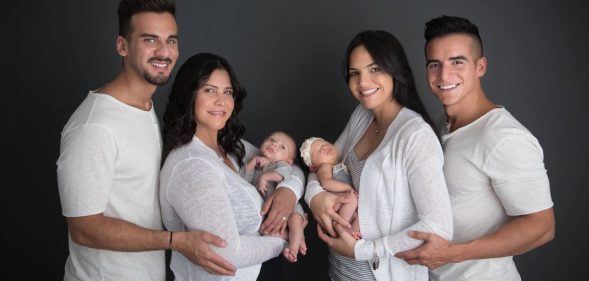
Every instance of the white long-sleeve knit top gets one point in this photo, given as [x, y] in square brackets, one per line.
[402, 188]
[198, 191]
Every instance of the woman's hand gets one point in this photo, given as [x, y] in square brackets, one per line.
[324, 206]
[281, 235]
[278, 207]
[343, 244]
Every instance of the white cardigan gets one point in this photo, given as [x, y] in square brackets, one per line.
[198, 191]
[402, 188]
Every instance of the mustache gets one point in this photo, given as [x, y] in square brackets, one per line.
[165, 59]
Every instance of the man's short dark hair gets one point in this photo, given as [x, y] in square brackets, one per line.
[446, 25]
[127, 8]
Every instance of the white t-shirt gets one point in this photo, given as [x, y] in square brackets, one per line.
[494, 170]
[109, 163]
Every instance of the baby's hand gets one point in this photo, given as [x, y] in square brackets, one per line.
[261, 161]
[256, 162]
[262, 186]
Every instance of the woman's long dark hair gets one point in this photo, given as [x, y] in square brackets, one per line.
[179, 123]
[389, 55]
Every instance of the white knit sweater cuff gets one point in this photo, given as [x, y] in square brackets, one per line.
[364, 249]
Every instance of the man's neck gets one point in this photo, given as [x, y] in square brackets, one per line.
[466, 112]
[131, 90]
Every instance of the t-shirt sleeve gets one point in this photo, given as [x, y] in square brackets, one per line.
[85, 170]
[198, 195]
[516, 168]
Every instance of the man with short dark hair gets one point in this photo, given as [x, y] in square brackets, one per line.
[110, 157]
[494, 168]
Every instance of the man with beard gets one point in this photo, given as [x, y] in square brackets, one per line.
[110, 160]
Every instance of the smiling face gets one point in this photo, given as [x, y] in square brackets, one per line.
[279, 147]
[322, 152]
[454, 68]
[151, 49]
[213, 103]
[369, 84]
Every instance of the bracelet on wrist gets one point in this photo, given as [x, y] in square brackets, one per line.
[375, 259]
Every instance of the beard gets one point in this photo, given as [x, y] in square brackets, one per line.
[158, 79]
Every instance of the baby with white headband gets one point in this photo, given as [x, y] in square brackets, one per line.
[321, 157]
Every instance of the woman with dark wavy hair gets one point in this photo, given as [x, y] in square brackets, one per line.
[200, 184]
[395, 161]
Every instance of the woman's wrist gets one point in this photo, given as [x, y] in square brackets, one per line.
[314, 204]
[365, 250]
[313, 189]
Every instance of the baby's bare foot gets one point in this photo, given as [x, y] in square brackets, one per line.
[303, 248]
[290, 255]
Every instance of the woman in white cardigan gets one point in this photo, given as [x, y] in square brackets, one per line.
[200, 184]
[395, 160]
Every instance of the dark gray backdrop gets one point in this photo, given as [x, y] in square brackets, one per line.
[288, 55]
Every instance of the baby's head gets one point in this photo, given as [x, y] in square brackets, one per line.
[316, 152]
[279, 147]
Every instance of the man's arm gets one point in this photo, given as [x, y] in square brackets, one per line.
[102, 232]
[520, 235]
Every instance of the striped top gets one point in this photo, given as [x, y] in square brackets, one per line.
[343, 268]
